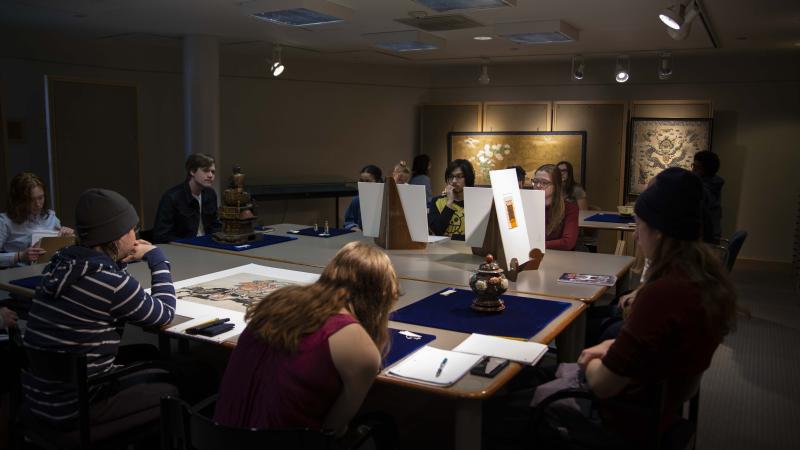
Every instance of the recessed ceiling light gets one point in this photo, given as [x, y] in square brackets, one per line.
[482, 38]
[298, 12]
[450, 5]
[538, 32]
[405, 41]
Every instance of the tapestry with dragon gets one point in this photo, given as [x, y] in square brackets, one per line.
[656, 144]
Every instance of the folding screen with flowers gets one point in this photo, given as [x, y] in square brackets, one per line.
[529, 149]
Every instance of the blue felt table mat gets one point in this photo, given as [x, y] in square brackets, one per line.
[610, 218]
[263, 241]
[522, 318]
[29, 282]
[332, 231]
[403, 346]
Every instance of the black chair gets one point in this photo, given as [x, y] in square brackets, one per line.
[70, 370]
[681, 435]
[733, 246]
[184, 427]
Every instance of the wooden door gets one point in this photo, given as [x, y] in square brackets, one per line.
[93, 142]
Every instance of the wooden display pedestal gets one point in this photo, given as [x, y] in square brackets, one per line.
[394, 234]
[493, 244]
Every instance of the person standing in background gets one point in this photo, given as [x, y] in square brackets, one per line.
[705, 166]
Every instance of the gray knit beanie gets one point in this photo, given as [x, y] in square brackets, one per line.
[103, 216]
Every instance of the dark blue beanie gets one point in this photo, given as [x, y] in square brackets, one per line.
[673, 204]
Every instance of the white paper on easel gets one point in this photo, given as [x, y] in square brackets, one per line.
[412, 197]
[477, 210]
[371, 198]
[533, 202]
[510, 215]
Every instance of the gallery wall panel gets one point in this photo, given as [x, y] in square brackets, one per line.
[435, 122]
[523, 116]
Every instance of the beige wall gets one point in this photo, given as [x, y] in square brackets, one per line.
[322, 121]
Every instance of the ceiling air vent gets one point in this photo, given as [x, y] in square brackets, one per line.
[441, 23]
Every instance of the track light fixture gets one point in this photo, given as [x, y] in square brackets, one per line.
[276, 66]
[678, 18]
[623, 70]
[484, 78]
[578, 66]
[665, 66]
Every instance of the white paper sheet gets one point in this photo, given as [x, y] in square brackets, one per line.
[477, 210]
[412, 197]
[533, 202]
[510, 215]
[520, 351]
[371, 198]
[423, 365]
[437, 239]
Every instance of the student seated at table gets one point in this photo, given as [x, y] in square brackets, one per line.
[681, 313]
[309, 354]
[570, 189]
[352, 215]
[8, 318]
[419, 174]
[446, 212]
[190, 208]
[25, 214]
[81, 306]
[521, 175]
[561, 217]
[401, 173]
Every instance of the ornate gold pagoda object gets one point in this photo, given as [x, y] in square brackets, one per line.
[236, 213]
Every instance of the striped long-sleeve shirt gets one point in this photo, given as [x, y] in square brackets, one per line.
[81, 306]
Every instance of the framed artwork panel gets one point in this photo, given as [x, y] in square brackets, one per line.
[489, 151]
[655, 144]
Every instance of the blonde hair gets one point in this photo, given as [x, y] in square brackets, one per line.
[360, 278]
[555, 212]
[402, 167]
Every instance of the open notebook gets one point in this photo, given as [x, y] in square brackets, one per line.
[424, 366]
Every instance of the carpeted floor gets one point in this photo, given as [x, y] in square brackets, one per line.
[750, 396]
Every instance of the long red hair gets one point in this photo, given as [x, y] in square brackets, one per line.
[360, 278]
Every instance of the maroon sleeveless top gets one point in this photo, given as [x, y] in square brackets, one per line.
[263, 388]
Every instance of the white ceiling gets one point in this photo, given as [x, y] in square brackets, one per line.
[607, 27]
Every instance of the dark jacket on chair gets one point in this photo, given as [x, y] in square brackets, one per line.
[178, 214]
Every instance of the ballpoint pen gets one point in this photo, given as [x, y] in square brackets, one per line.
[441, 366]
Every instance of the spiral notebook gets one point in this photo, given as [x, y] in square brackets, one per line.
[435, 366]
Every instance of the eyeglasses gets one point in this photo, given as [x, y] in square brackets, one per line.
[136, 231]
[459, 176]
[541, 182]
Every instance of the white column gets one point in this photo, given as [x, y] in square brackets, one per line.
[201, 97]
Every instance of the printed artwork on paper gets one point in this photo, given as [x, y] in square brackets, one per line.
[656, 144]
[236, 292]
[489, 151]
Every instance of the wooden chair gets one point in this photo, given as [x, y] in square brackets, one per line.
[70, 370]
[185, 427]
